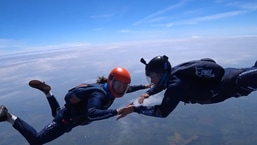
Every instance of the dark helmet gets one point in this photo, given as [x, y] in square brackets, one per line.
[158, 64]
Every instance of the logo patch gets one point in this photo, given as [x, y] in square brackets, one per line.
[205, 73]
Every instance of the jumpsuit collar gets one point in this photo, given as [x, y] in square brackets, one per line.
[108, 91]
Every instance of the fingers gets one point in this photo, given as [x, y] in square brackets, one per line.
[132, 103]
[125, 111]
[145, 95]
[119, 117]
[140, 100]
[142, 97]
[148, 86]
[120, 113]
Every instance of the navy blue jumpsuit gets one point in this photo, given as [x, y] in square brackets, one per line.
[94, 106]
[235, 82]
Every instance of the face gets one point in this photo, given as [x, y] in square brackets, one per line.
[154, 78]
[119, 87]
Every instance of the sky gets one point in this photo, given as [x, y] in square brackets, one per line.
[66, 42]
[37, 23]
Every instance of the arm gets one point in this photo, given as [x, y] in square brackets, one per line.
[169, 103]
[174, 92]
[138, 87]
[148, 93]
[153, 91]
[97, 105]
[162, 111]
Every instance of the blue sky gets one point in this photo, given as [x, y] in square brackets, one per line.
[30, 23]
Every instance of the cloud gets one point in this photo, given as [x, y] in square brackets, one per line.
[85, 62]
[65, 67]
[167, 18]
[152, 16]
[11, 45]
[206, 18]
[246, 5]
[218, 16]
[9, 95]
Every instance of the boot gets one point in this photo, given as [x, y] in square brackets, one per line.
[4, 115]
[40, 86]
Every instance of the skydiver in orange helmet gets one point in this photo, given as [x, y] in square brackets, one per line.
[84, 104]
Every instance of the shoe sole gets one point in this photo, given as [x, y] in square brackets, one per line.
[39, 85]
[3, 113]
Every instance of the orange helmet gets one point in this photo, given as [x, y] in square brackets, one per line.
[118, 81]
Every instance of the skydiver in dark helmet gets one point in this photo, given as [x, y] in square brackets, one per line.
[198, 81]
[84, 104]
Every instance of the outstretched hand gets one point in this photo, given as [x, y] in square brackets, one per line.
[142, 97]
[125, 111]
[148, 86]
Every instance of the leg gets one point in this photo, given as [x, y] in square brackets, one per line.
[49, 133]
[53, 104]
[247, 81]
[46, 89]
[53, 130]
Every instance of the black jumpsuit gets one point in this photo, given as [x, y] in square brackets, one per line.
[236, 82]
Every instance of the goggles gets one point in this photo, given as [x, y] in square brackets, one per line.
[120, 88]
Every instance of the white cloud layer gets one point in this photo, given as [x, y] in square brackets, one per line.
[64, 68]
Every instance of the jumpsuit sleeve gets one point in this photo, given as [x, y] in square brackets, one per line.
[97, 104]
[153, 90]
[171, 99]
[135, 88]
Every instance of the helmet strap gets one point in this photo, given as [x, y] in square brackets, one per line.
[163, 80]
